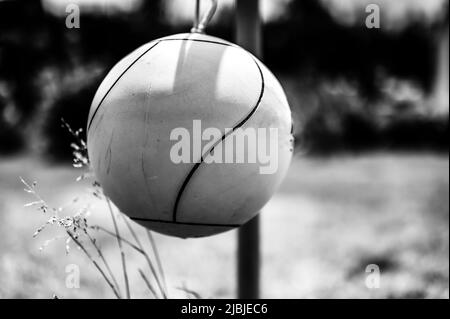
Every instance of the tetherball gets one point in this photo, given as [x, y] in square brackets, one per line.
[190, 135]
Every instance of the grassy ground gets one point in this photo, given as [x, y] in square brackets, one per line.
[330, 219]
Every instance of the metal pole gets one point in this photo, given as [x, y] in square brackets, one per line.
[248, 35]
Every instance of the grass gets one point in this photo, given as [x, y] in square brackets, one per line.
[330, 219]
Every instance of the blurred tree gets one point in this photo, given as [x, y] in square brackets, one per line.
[310, 42]
[21, 51]
[307, 44]
[104, 40]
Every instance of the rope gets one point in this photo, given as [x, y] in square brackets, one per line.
[200, 25]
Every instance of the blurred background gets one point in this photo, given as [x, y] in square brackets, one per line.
[369, 183]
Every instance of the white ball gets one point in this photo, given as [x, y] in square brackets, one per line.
[163, 86]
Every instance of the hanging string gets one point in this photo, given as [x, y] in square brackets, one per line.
[200, 25]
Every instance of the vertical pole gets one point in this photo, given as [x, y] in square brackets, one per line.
[248, 35]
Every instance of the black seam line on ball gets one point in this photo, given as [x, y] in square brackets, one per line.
[184, 223]
[198, 40]
[163, 40]
[117, 80]
[197, 165]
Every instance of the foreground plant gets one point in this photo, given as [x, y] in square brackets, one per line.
[77, 230]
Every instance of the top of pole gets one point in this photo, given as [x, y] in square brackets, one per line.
[248, 26]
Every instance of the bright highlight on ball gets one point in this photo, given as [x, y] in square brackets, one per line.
[167, 85]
